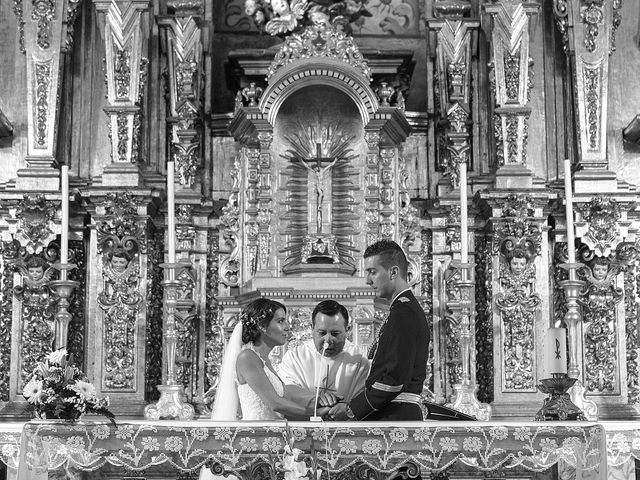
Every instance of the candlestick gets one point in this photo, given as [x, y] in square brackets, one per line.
[171, 404]
[571, 244]
[464, 248]
[171, 211]
[555, 351]
[64, 235]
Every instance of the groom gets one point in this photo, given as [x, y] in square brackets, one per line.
[399, 365]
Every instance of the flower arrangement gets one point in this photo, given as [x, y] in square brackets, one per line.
[295, 464]
[279, 17]
[58, 389]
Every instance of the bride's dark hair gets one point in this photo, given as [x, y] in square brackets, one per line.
[258, 314]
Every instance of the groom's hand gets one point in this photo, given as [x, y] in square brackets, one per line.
[328, 399]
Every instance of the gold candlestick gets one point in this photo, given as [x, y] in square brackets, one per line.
[572, 319]
[63, 289]
[171, 404]
[558, 405]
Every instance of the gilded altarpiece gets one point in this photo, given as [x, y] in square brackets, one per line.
[120, 236]
[319, 174]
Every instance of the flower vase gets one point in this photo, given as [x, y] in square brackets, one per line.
[70, 417]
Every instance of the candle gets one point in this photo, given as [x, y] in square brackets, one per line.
[64, 235]
[555, 351]
[571, 247]
[171, 211]
[464, 248]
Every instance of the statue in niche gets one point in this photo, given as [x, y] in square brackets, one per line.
[320, 174]
[320, 157]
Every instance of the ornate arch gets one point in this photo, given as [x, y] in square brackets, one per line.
[326, 72]
[319, 55]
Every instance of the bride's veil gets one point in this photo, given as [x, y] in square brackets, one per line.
[225, 406]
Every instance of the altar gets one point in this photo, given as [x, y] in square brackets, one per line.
[321, 450]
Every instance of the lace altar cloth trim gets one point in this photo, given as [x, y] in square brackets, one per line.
[48, 445]
[10, 443]
[623, 442]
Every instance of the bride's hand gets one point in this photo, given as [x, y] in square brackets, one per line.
[328, 399]
[323, 411]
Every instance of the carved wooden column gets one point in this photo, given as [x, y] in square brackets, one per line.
[124, 295]
[372, 186]
[507, 29]
[263, 217]
[193, 237]
[607, 335]
[27, 315]
[588, 31]
[43, 29]
[124, 27]
[455, 39]
[183, 49]
[520, 302]
[182, 45]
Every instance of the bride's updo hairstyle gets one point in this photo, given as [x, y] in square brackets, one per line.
[258, 314]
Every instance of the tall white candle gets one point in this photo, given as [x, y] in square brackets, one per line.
[171, 211]
[64, 235]
[464, 248]
[555, 351]
[571, 247]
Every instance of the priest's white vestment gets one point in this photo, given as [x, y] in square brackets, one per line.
[343, 374]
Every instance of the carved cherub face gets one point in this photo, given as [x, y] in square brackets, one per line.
[281, 7]
[600, 271]
[518, 265]
[119, 264]
[36, 273]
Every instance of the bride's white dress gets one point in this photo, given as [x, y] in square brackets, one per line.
[252, 406]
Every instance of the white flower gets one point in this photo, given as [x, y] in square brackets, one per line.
[86, 390]
[32, 391]
[56, 358]
[294, 469]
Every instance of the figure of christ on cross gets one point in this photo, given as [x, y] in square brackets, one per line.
[319, 172]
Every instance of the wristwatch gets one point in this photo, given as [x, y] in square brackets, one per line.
[349, 413]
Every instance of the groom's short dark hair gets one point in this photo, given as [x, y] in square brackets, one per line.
[330, 307]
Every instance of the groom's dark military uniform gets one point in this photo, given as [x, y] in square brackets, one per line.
[399, 365]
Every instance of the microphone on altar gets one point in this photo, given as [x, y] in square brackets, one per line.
[315, 417]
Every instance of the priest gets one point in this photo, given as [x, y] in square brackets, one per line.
[328, 361]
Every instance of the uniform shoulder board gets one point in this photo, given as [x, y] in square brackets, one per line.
[403, 299]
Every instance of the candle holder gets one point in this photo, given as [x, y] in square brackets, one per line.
[466, 400]
[171, 404]
[63, 289]
[558, 405]
[572, 318]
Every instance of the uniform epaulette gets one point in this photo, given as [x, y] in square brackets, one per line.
[403, 299]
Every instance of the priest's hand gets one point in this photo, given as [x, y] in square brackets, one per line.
[340, 412]
[328, 399]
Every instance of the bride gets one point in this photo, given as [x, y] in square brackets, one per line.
[248, 378]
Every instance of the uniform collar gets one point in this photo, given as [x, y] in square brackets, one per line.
[408, 289]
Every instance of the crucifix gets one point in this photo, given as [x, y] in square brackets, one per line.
[315, 166]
